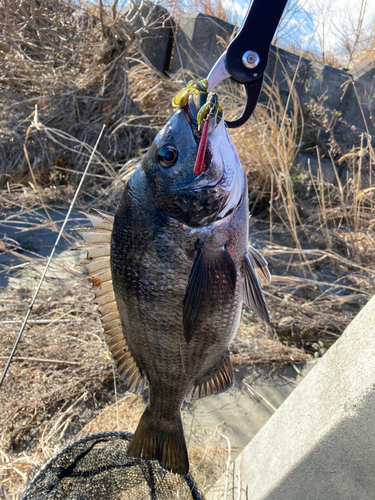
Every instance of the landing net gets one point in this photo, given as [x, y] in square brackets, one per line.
[98, 467]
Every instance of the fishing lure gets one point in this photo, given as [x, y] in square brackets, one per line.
[209, 110]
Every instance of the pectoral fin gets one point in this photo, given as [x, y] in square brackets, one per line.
[252, 293]
[212, 278]
[260, 265]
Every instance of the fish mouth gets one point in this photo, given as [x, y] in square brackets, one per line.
[191, 113]
[212, 174]
[201, 203]
[204, 185]
[217, 191]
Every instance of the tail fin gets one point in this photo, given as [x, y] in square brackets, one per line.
[161, 440]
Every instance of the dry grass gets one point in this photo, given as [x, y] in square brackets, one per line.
[227, 11]
[316, 235]
[58, 380]
[72, 62]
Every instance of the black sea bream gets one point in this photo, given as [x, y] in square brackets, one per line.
[181, 268]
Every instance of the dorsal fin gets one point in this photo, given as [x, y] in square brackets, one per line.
[98, 246]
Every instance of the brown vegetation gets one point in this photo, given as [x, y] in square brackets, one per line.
[316, 235]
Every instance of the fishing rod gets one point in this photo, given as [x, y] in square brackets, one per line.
[38, 125]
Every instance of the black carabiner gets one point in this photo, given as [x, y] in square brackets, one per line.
[246, 57]
[252, 94]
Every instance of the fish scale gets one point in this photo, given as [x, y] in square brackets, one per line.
[165, 332]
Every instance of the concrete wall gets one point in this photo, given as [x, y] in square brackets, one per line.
[197, 43]
[361, 90]
[157, 30]
[320, 444]
[199, 40]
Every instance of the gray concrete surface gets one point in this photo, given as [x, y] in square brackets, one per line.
[197, 45]
[311, 79]
[156, 30]
[241, 411]
[358, 97]
[320, 444]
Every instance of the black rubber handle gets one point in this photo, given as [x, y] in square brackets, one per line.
[255, 34]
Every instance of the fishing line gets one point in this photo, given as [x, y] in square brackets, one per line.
[51, 255]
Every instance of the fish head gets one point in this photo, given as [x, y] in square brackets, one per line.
[195, 200]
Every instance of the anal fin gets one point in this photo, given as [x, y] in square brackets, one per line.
[212, 278]
[216, 380]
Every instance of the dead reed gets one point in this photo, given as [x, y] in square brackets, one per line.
[72, 62]
[317, 234]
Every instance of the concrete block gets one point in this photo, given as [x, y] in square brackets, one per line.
[282, 66]
[197, 45]
[320, 443]
[311, 79]
[157, 33]
[327, 82]
[358, 98]
[331, 86]
[323, 170]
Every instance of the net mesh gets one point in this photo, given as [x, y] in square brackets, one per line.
[98, 467]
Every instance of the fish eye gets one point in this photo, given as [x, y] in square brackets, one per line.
[167, 155]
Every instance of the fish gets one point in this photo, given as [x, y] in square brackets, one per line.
[171, 270]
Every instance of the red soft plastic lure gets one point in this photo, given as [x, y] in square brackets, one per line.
[198, 166]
